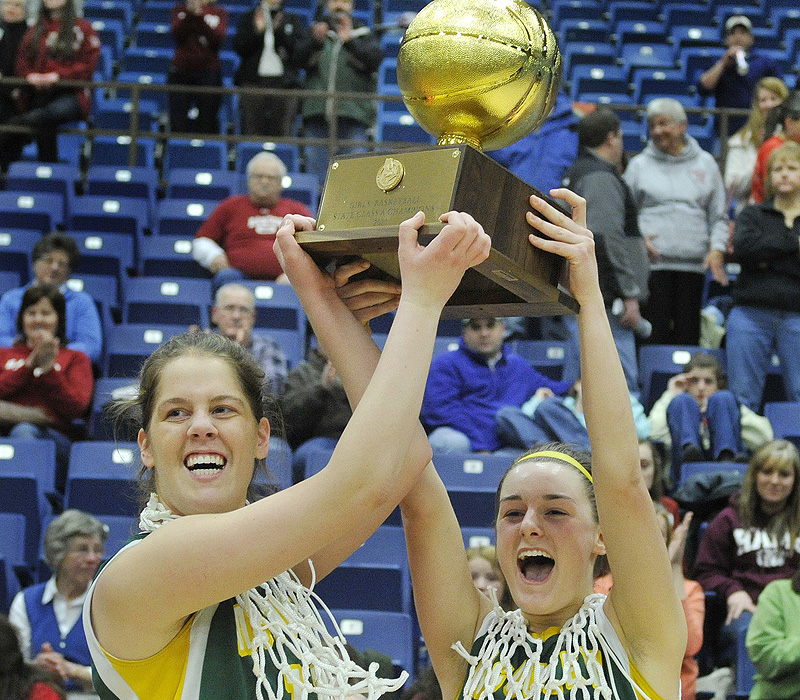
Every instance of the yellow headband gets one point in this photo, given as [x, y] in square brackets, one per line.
[561, 457]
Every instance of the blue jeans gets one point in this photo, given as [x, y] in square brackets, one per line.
[446, 439]
[46, 116]
[753, 335]
[625, 341]
[29, 431]
[552, 422]
[317, 156]
[724, 424]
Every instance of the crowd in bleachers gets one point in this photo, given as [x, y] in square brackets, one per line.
[140, 254]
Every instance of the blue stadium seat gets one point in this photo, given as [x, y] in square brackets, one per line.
[12, 538]
[191, 183]
[632, 11]
[304, 187]
[120, 529]
[28, 485]
[640, 32]
[387, 545]
[129, 345]
[16, 248]
[104, 289]
[107, 9]
[690, 469]
[683, 35]
[138, 181]
[277, 307]
[390, 43]
[105, 254]
[289, 153]
[576, 10]
[598, 79]
[688, 14]
[40, 211]
[181, 301]
[657, 363]
[471, 480]
[56, 178]
[116, 113]
[9, 585]
[546, 356]
[153, 35]
[101, 424]
[163, 256]
[143, 78]
[582, 30]
[655, 81]
[182, 217]
[655, 55]
[389, 632]
[784, 416]
[124, 215]
[195, 153]
[112, 33]
[156, 11]
[115, 150]
[145, 60]
[367, 587]
[606, 98]
[292, 343]
[593, 53]
[399, 126]
[8, 279]
[478, 536]
[102, 478]
[757, 12]
[783, 19]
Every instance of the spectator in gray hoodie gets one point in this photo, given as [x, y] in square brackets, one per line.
[680, 196]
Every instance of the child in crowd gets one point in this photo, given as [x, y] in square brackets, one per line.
[702, 420]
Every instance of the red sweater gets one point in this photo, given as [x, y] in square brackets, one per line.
[246, 233]
[198, 38]
[81, 66]
[64, 393]
[42, 691]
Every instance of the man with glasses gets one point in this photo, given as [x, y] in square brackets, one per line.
[55, 256]
[468, 386]
[234, 315]
[235, 243]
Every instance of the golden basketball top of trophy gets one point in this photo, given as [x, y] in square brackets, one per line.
[482, 72]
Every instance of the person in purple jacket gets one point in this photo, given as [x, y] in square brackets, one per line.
[755, 539]
[468, 386]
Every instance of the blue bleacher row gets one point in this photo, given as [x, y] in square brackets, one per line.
[623, 52]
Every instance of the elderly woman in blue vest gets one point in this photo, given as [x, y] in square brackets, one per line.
[47, 614]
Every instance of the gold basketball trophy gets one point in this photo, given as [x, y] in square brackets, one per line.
[473, 73]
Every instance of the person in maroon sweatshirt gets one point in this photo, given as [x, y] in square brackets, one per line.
[59, 46]
[44, 386]
[198, 28]
[754, 540]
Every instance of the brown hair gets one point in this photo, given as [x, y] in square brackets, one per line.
[489, 553]
[139, 410]
[578, 455]
[33, 295]
[777, 453]
[707, 360]
[62, 48]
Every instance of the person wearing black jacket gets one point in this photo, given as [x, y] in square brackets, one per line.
[621, 255]
[268, 40]
[12, 28]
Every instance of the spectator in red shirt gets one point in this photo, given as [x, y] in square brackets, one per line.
[235, 243]
[786, 115]
[198, 28]
[44, 387]
[59, 46]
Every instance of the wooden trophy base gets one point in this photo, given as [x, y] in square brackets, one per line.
[367, 196]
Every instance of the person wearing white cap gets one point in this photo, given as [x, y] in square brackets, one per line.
[732, 79]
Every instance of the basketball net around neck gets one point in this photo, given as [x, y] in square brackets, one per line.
[580, 636]
[283, 616]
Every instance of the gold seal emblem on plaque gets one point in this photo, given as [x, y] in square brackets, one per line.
[390, 174]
